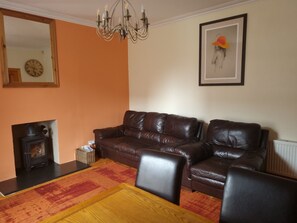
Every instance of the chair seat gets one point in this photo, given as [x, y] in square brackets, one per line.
[214, 168]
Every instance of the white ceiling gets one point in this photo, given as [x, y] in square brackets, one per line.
[84, 11]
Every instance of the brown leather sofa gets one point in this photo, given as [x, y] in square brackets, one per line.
[227, 144]
[145, 130]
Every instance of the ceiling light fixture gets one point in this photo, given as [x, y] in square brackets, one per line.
[128, 24]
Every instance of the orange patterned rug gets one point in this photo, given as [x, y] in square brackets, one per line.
[40, 202]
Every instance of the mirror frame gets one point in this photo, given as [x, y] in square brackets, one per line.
[3, 54]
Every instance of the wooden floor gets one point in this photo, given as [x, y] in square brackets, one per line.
[39, 175]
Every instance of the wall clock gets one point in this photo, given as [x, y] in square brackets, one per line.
[34, 68]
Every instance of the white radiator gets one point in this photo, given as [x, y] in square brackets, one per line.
[282, 158]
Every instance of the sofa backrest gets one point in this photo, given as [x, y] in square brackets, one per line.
[181, 127]
[133, 123]
[160, 127]
[153, 126]
[154, 122]
[231, 139]
[134, 120]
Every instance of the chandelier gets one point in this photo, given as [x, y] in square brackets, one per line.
[128, 25]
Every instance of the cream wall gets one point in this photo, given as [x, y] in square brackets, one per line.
[17, 57]
[163, 70]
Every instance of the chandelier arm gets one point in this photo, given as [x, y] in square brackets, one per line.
[135, 14]
[114, 6]
[143, 26]
[142, 32]
[112, 10]
[104, 35]
[132, 38]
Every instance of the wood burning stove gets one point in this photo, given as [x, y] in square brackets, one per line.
[35, 150]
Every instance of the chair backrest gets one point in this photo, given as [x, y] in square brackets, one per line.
[251, 196]
[160, 173]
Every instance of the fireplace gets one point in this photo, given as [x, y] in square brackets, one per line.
[35, 145]
[35, 151]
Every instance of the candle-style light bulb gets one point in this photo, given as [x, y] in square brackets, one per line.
[98, 18]
[143, 13]
[142, 8]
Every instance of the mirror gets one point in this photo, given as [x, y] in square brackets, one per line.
[28, 50]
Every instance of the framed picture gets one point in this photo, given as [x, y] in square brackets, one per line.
[222, 51]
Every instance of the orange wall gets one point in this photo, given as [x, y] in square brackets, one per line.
[93, 93]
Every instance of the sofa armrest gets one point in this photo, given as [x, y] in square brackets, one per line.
[252, 160]
[111, 132]
[171, 147]
[193, 152]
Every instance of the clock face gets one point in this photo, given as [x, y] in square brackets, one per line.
[34, 68]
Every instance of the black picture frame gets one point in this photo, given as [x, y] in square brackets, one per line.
[222, 47]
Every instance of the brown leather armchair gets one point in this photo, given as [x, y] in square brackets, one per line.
[228, 144]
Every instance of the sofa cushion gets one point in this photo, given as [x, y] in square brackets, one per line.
[150, 136]
[154, 122]
[130, 144]
[227, 152]
[170, 139]
[110, 142]
[132, 132]
[181, 127]
[234, 134]
[213, 168]
[134, 120]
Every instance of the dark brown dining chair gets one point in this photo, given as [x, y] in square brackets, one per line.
[255, 197]
[160, 173]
